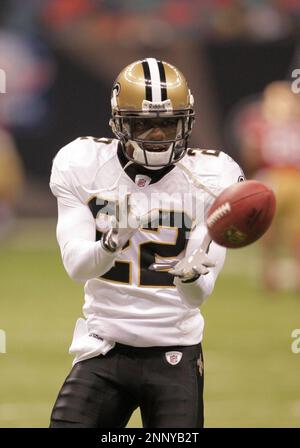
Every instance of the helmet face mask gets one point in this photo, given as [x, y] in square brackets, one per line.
[153, 133]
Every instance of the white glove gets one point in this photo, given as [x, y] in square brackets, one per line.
[125, 224]
[192, 266]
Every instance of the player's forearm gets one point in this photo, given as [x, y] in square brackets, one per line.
[83, 257]
[193, 294]
[84, 260]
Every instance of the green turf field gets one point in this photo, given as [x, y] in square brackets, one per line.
[252, 376]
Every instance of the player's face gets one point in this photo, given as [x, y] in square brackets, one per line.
[155, 129]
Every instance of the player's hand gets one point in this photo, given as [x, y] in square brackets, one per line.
[192, 266]
[125, 224]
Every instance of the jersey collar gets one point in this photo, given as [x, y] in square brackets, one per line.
[134, 169]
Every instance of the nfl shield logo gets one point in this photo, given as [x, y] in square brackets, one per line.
[142, 180]
[173, 358]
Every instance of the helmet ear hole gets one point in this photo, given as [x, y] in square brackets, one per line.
[112, 124]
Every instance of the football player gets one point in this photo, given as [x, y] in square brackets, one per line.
[131, 227]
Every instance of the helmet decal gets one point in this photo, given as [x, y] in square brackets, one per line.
[116, 88]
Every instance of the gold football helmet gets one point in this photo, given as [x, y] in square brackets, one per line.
[152, 113]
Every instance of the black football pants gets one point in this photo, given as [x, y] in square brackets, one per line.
[103, 392]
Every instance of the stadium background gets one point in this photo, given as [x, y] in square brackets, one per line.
[60, 58]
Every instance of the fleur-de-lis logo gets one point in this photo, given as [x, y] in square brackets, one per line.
[200, 365]
[117, 88]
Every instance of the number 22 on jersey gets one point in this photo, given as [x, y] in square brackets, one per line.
[148, 244]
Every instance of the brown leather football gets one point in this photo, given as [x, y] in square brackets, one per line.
[241, 214]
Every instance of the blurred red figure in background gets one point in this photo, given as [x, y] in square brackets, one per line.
[268, 132]
[11, 180]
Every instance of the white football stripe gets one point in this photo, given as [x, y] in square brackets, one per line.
[155, 79]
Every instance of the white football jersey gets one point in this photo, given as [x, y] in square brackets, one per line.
[130, 303]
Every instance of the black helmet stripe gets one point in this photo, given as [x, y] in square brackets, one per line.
[155, 80]
[163, 82]
[147, 77]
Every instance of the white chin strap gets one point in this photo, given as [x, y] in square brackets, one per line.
[159, 159]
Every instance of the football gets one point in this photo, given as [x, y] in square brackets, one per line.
[241, 214]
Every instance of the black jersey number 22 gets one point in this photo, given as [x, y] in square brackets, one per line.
[148, 250]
